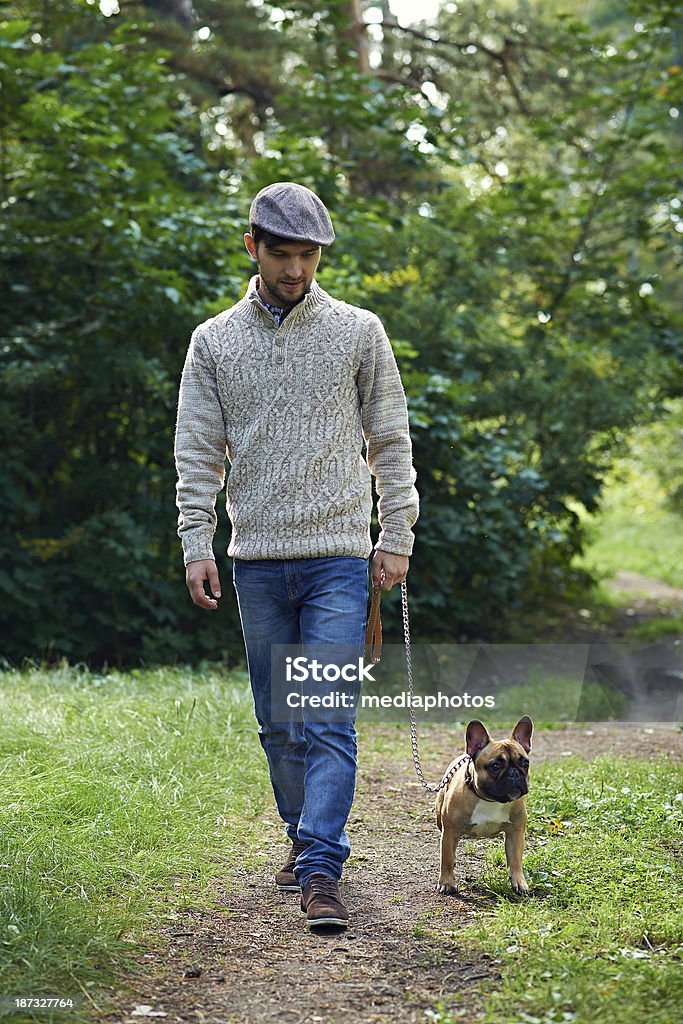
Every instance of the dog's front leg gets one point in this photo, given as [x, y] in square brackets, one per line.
[449, 845]
[514, 849]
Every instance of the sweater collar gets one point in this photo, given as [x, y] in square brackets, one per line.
[309, 306]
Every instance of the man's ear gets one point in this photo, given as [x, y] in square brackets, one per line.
[251, 245]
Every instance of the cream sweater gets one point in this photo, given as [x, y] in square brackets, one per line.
[291, 407]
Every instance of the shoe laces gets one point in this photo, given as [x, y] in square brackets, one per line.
[323, 885]
[297, 847]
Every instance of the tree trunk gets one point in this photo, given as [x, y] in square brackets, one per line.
[177, 10]
[389, 40]
[358, 36]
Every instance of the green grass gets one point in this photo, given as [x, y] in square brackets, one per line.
[634, 530]
[124, 795]
[561, 699]
[127, 794]
[601, 938]
[600, 941]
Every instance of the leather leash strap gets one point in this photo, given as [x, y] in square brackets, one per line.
[373, 634]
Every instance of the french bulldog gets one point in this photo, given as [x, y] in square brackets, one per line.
[487, 795]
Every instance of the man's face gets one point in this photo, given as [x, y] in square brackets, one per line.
[286, 270]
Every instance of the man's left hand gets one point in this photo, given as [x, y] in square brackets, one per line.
[395, 569]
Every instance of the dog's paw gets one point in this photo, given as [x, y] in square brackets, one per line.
[447, 889]
[519, 886]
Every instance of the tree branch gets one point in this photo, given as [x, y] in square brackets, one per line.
[501, 57]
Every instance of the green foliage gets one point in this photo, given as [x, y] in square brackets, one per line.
[639, 526]
[113, 242]
[660, 446]
[503, 184]
[524, 299]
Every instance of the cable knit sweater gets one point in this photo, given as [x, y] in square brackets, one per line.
[290, 407]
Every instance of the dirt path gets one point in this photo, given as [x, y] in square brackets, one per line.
[640, 600]
[252, 961]
[644, 587]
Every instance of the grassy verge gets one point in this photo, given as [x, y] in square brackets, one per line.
[601, 939]
[126, 794]
[635, 530]
[122, 794]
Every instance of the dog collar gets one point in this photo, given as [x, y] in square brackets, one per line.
[468, 778]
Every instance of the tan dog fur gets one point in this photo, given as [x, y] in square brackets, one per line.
[461, 813]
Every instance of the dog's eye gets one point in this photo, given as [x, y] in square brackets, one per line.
[495, 767]
[523, 763]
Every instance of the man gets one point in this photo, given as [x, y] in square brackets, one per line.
[289, 383]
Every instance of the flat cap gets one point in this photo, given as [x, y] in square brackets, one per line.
[292, 211]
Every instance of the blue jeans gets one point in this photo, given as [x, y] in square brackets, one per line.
[312, 763]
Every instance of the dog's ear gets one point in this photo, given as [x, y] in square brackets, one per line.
[476, 738]
[522, 732]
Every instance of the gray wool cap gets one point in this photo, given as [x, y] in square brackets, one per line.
[292, 211]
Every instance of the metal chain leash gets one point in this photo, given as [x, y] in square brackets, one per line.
[448, 775]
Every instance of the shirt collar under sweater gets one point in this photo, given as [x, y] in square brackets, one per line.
[313, 298]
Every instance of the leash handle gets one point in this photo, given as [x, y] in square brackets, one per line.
[373, 633]
[448, 775]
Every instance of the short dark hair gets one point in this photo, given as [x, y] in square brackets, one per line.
[261, 235]
[269, 240]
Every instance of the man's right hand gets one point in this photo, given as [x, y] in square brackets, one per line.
[195, 575]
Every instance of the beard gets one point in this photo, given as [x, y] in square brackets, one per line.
[283, 296]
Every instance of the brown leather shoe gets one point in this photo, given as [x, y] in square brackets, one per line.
[284, 879]
[322, 904]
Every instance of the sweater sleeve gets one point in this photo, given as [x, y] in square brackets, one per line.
[200, 450]
[385, 429]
